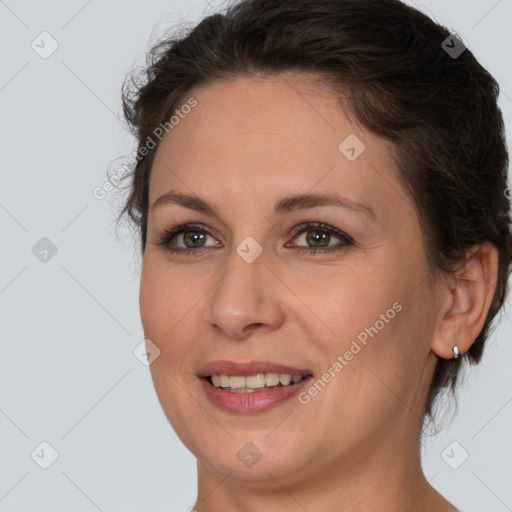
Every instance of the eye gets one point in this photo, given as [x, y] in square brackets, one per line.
[320, 235]
[193, 237]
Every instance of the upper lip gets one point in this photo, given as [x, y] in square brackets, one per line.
[248, 368]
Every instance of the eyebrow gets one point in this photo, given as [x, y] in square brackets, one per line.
[284, 205]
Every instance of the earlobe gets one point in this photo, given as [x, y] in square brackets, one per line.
[466, 304]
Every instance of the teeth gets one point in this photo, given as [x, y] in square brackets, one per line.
[285, 379]
[253, 381]
[242, 384]
[237, 382]
[271, 379]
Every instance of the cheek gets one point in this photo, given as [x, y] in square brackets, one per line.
[152, 300]
[168, 322]
[381, 380]
[166, 304]
[164, 294]
[372, 347]
[356, 304]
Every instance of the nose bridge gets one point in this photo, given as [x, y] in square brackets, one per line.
[245, 293]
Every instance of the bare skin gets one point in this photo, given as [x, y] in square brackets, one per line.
[354, 446]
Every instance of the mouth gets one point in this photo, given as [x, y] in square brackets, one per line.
[251, 387]
[254, 383]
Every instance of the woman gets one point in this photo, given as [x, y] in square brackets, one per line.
[320, 193]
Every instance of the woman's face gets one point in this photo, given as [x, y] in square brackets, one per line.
[255, 286]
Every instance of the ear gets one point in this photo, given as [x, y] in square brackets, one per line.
[466, 298]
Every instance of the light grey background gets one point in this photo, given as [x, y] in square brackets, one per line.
[69, 326]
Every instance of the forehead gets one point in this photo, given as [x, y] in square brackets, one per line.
[254, 139]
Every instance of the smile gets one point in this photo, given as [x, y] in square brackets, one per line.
[254, 383]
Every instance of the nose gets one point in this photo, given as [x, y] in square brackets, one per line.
[246, 298]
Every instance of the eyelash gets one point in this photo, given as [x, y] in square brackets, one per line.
[165, 238]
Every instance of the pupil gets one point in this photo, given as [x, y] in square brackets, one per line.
[319, 237]
[195, 236]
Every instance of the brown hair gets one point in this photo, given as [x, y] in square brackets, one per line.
[439, 110]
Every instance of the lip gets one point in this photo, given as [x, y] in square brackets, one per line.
[257, 401]
[249, 368]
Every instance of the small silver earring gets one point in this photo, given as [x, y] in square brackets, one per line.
[455, 351]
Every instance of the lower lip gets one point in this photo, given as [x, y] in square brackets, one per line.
[257, 401]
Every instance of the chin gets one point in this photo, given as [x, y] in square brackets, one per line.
[254, 456]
